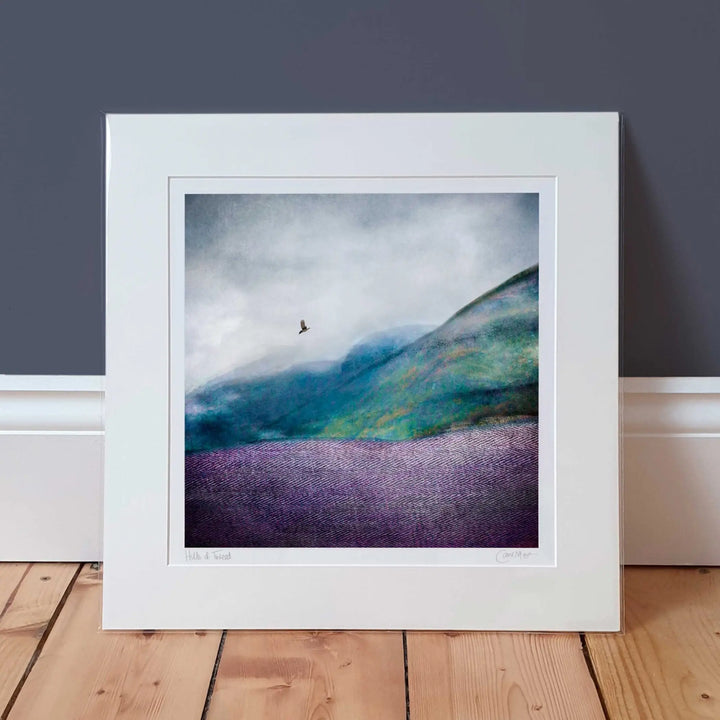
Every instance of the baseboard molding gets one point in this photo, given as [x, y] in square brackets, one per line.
[51, 466]
[671, 452]
[51, 404]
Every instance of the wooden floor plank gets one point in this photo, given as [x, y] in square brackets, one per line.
[302, 675]
[84, 673]
[499, 676]
[667, 664]
[25, 616]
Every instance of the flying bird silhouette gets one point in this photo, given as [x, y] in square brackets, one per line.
[303, 327]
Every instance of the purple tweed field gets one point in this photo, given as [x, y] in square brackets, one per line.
[468, 488]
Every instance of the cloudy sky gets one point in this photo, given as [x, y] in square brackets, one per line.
[350, 265]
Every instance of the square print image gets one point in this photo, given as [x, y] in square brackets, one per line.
[361, 370]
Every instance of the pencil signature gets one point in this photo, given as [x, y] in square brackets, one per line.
[518, 555]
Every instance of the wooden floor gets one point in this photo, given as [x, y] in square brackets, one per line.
[56, 664]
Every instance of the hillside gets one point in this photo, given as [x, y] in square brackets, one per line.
[478, 365]
[231, 411]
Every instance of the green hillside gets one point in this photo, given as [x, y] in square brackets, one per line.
[479, 365]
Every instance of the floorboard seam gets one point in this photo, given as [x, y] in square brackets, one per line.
[46, 634]
[14, 593]
[213, 677]
[593, 675]
[407, 682]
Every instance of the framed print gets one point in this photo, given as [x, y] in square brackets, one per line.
[402, 423]
[362, 372]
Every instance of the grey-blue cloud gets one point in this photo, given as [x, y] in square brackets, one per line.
[349, 265]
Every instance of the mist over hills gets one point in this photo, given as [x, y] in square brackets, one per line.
[480, 366]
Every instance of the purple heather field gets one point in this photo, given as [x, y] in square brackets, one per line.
[468, 488]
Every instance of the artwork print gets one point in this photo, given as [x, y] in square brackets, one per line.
[361, 370]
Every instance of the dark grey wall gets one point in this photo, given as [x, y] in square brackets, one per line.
[62, 64]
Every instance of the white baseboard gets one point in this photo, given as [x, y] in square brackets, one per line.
[51, 468]
[671, 452]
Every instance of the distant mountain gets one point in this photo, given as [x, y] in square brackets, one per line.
[231, 410]
[479, 365]
[380, 346]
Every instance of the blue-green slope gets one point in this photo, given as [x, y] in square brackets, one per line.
[479, 365]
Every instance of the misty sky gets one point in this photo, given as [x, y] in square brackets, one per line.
[350, 265]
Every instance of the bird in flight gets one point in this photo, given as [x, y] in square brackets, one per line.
[303, 327]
